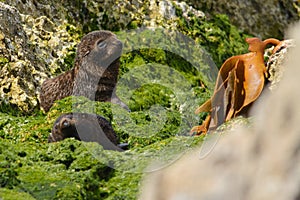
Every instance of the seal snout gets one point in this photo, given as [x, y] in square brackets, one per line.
[51, 138]
[118, 43]
[116, 46]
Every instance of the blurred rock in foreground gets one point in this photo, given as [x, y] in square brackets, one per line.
[262, 162]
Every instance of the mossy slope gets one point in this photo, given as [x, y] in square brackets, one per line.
[162, 80]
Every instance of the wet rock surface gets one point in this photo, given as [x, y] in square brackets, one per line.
[260, 18]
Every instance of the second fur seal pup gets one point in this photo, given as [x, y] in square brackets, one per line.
[86, 127]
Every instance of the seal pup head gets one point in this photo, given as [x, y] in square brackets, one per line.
[98, 49]
[64, 127]
[86, 127]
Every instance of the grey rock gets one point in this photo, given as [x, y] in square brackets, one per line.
[260, 18]
[275, 64]
[19, 68]
[31, 50]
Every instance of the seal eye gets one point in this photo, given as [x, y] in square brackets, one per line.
[65, 124]
[102, 44]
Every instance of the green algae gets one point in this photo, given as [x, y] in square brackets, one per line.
[73, 169]
[53, 171]
[162, 80]
[220, 38]
[24, 128]
[13, 194]
[3, 61]
[79, 170]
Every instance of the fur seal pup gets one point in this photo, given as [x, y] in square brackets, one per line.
[94, 75]
[85, 127]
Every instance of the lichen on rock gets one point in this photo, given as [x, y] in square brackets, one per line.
[49, 33]
[31, 50]
[275, 64]
[19, 75]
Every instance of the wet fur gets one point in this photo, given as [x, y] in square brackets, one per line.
[94, 75]
[85, 127]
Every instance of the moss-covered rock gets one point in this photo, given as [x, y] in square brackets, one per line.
[83, 170]
[260, 18]
[167, 69]
[49, 31]
[71, 169]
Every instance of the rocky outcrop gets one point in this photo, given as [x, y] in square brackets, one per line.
[38, 38]
[19, 67]
[261, 162]
[260, 18]
[31, 49]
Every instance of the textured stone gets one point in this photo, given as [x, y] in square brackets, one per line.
[39, 38]
[261, 162]
[31, 50]
[19, 74]
[275, 64]
[260, 18]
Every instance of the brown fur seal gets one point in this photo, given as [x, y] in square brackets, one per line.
[94, 75]
[85, 127]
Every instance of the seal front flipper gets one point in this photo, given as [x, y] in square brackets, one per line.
[124, 146]
[117, 100]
